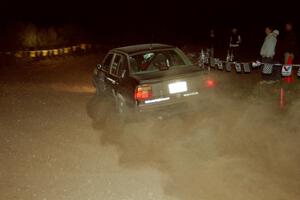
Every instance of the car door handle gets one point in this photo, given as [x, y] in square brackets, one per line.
[111, 80]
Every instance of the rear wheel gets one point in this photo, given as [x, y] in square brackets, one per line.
[122, 114]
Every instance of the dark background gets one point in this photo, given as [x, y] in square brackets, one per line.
[176, 22]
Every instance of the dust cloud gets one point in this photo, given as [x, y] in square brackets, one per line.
[237, 145]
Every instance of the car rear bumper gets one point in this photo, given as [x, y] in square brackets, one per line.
[174, 107]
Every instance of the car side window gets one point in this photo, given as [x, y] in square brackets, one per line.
[115, 65]
[123, 66]
[107, 62]
[118, 65]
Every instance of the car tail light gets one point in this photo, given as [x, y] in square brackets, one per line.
[143, 92]
[210, 83]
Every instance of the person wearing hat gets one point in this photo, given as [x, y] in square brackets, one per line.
[267, 52]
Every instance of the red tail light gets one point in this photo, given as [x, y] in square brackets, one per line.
[210, 83]
[143, 92]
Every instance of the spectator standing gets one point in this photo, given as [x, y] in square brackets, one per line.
[267, 53]
[211, 42]
[234, 45]
[289, 43]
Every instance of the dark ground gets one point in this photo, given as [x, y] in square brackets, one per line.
[240, 145]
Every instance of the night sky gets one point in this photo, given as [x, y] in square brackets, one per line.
[169, 21]
[136, 12]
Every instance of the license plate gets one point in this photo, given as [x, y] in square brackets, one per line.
[177, 87]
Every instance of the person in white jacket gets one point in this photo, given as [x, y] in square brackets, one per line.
[267, 52]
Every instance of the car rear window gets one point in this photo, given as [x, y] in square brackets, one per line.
[152, 61]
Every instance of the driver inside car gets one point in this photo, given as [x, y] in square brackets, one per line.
[147, 58]
[160, 62]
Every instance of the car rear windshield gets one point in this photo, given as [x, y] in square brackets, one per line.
[152, 61]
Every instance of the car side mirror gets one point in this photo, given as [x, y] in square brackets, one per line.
[99, 66]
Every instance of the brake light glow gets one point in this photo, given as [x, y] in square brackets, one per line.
[143, 92]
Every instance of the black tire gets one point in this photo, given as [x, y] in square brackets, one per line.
[122, 114]
[99, 107]
[101, 89]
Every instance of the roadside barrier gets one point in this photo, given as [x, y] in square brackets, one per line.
[287, 72]
[42, 53]
[247, 67]
[205, 60]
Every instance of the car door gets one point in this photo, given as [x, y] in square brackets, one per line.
[112, 77]
[125, 85]
[104, 84]
[118, 76]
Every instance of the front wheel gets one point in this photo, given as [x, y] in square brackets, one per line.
[101, 89]
[99, 109]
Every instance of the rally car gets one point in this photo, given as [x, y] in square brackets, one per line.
[150, 78]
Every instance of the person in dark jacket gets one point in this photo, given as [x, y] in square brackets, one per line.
[234, 45]
[289, 44]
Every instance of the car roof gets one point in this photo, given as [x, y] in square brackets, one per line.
[142, 47]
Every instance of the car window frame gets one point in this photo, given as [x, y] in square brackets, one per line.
[110, 64]
[125, 56]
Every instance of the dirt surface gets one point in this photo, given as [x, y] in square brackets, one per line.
[239, 145]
